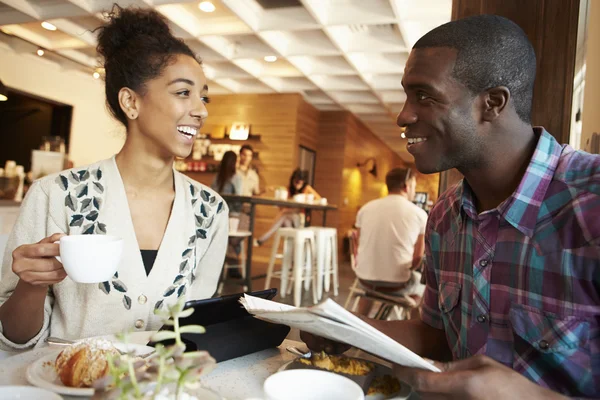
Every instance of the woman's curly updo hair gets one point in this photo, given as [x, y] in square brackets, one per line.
[137, 44]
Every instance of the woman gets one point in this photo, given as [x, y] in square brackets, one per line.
[289, 217]
[227, 180]
[174, 229]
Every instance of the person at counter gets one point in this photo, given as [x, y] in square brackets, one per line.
[512, 251]
[290, 217]
[157, 89]
[250, 178]
[228, 181]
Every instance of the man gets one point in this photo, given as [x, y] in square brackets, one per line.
[250, 180]
[391, 242]
[512, 251]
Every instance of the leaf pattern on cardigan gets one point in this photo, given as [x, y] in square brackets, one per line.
[84, 195]
[203, 204]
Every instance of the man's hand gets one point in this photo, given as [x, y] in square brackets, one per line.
[474, 378]
[317, 344]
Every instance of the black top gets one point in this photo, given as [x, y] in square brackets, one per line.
[148, 256]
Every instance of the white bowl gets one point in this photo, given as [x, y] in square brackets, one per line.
[26, 393]
[304, 384]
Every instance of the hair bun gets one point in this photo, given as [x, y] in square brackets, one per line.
[127, 26]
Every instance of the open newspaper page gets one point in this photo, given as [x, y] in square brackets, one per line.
[330, 320]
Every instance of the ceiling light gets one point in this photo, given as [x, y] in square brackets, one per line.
[3, 92]
[96, 75]
[270, 58]
[206, 6]
[48, 25]
[40, 52]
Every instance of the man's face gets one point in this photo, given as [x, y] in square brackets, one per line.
[439, 113]
[245, 157]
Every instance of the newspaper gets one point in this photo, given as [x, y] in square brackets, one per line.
[330, 320]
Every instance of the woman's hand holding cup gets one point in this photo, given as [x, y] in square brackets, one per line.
[36, 264]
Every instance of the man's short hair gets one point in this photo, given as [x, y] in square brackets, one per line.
[246, 147]
[397, 178]
[492, 51]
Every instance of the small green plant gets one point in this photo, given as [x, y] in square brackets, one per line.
[169, 370]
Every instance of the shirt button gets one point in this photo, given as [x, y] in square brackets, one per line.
[544, 345]
[481, 318]
[139, 324]
[484, 263]
[142, 299]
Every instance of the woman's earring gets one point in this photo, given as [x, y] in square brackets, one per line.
[133, 115]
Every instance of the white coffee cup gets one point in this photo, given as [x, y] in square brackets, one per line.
[300, 198]
[310, 198]
[304, 384]
[90, 258]
[323, 201]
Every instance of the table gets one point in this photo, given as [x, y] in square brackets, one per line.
[254, 201]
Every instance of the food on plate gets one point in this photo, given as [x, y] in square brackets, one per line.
[385, 385]
[339, 364]
[82, 363]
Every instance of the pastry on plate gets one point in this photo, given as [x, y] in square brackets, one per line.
[82, 363]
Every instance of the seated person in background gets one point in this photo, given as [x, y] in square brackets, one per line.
[249, 176]
[228, 181]
[290, 217]
[391, 240]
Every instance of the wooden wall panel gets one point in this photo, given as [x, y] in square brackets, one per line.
[551, 25]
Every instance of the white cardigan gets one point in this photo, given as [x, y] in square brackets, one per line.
[92, 200]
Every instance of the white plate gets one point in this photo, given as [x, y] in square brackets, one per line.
[380, 370]
[41, 373]
[26, 393]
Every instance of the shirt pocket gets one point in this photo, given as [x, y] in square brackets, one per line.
[448, 302]
[552, 350]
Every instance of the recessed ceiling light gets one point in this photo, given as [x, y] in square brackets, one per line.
[207, 6]
[48, 25]
[96, 75]
[40, 52]
[3, 97]
[270, 58]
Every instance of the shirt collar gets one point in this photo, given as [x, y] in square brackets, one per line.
[521, 209]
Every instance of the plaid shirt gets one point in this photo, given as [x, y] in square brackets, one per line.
[521, 283]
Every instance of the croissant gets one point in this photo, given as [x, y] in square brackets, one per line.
[82, 363]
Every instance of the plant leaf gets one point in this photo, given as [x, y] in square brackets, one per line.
[120, 286]
[71, 202]
[98, 187]
[81, 190]
[210, 222]
[193, 190]
[187, 253]
[201, 233]
[194, 201]
[205, 194]
[116, 275]
[170, 290]
[158, 305]
[181, 291]
[199, 221]
[192, 240]
[178, 279]
[127, 302]
[213, 200]
[203, 210]
[186, 313]
[163, 335]
[98, 174]
[92, 216]
[76, 220]
[220, 207]
[62, 181]
[105, 287]
[192, 329]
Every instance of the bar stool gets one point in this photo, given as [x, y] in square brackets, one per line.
[298, 258]
[327, 259]
[244, 235]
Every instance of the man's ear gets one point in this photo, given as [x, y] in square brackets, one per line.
[495, 101]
